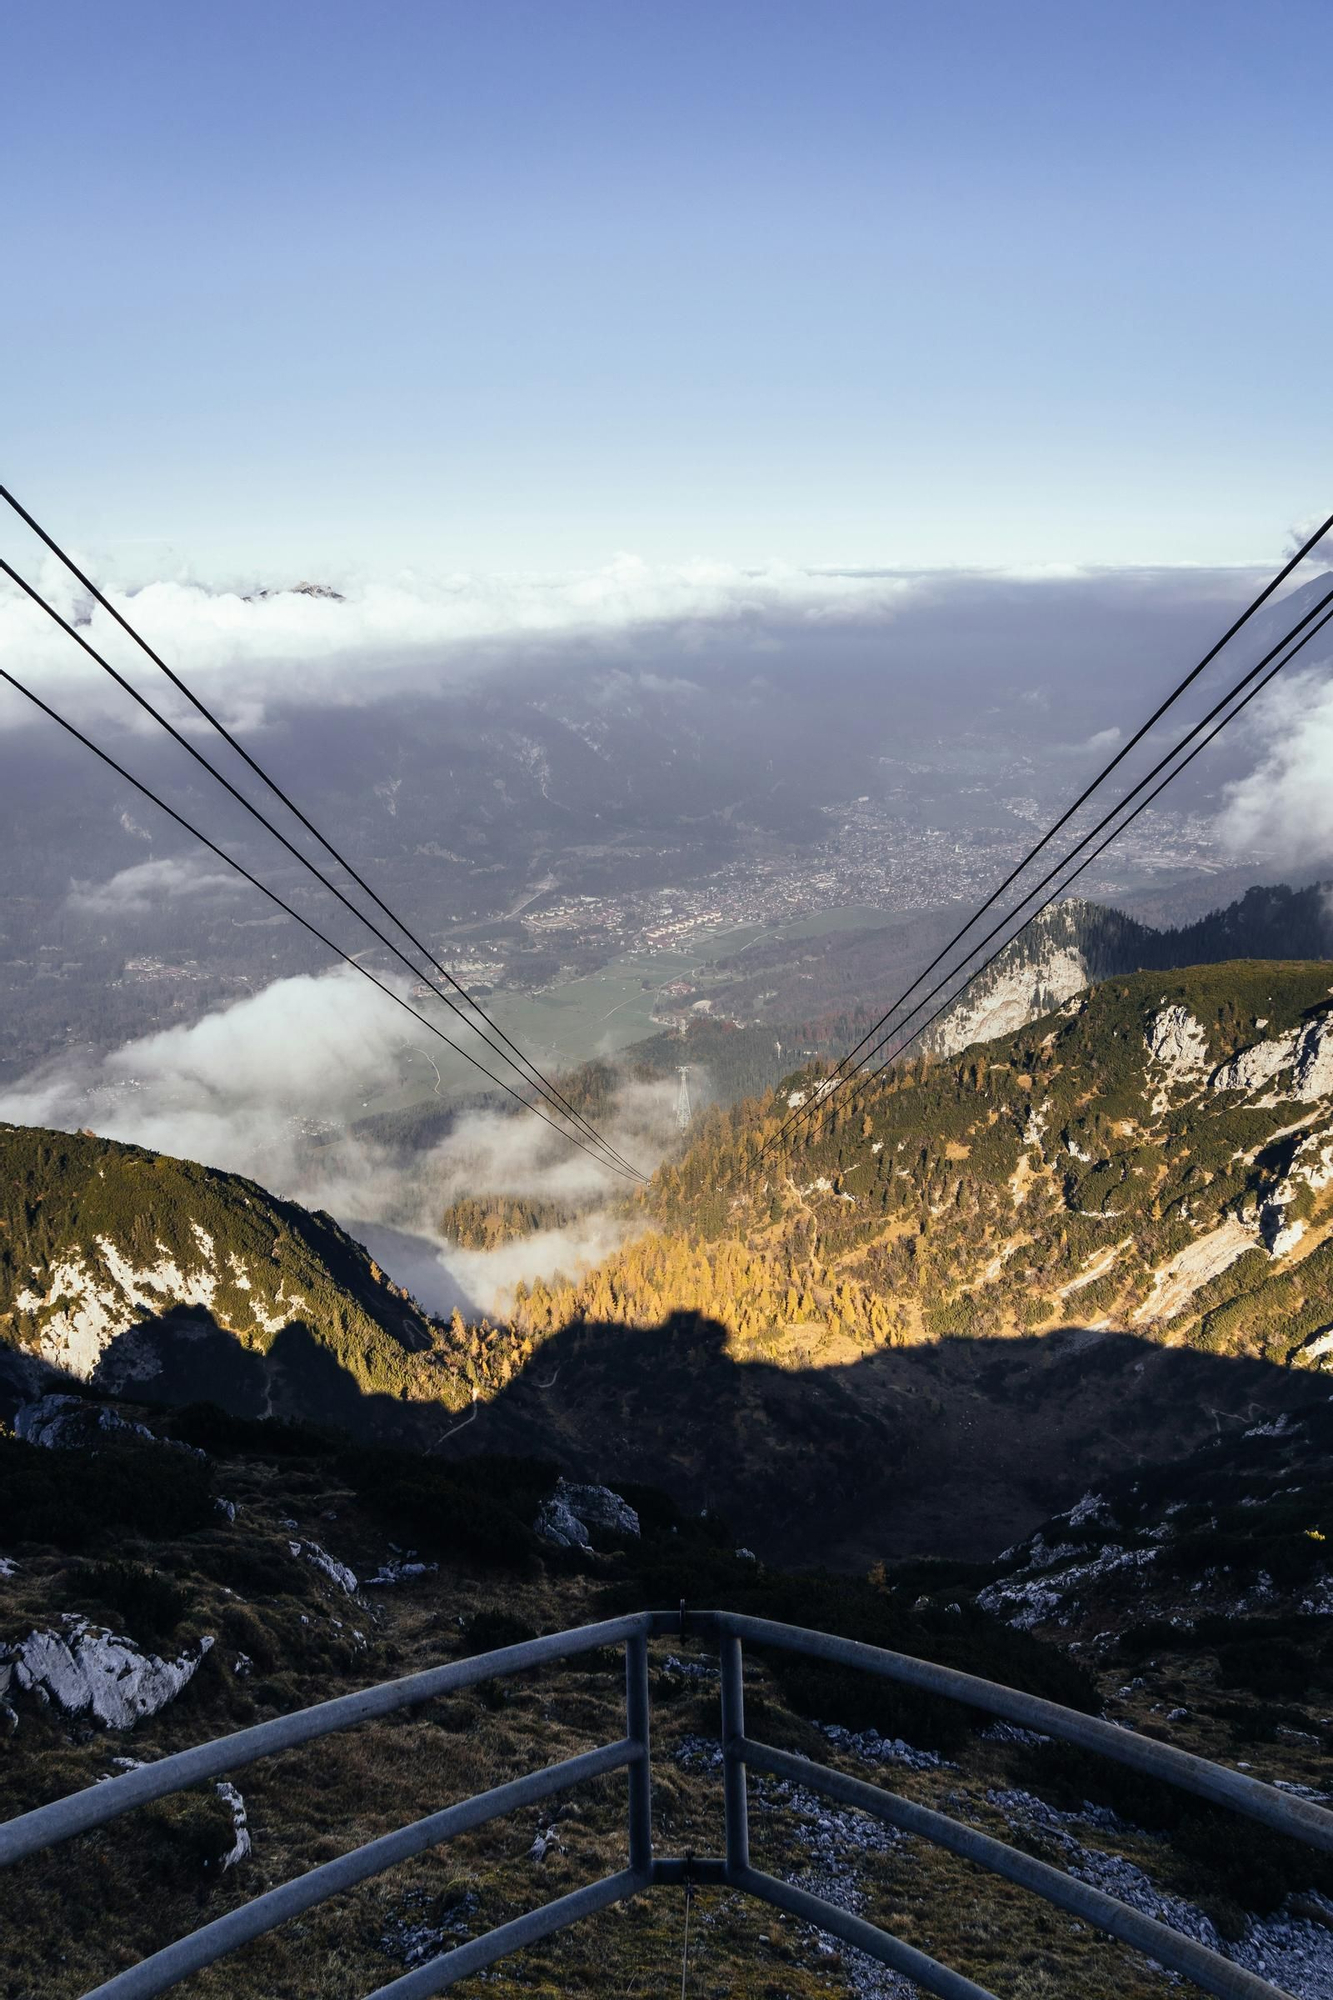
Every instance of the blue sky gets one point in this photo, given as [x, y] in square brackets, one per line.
[501, 285]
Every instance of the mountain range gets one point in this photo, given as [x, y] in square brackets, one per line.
[153, 1276]
[1015, 1359]
[914, 1288]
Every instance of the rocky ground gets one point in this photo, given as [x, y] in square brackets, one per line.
[155, 1590]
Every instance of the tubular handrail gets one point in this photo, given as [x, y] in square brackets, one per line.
[98, 1803]
[264, 1913]
[1301, 1818]
[1298, 1818]
[1173, 1949]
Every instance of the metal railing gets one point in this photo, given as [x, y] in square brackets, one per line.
[1280, 1811]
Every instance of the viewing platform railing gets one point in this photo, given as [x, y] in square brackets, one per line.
[1281, 1811]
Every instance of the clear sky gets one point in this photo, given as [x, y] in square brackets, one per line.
[523, 283]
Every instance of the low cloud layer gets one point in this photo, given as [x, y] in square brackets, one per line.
[1284, 806]
[266, 1088]
[247, 653]
[145, 887]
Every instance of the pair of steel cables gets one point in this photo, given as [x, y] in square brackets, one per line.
[900, 1025]
[559, 1113]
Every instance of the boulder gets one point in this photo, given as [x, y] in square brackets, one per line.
[574, 1513]
[64, 1423]
[85, 1667]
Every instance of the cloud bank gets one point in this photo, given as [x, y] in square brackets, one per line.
[1284, 806]
[267, 1087]
[136, 891]
[247, 653]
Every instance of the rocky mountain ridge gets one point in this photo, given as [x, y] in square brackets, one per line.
[1136, 1192]
[138, 1272]
[1076, 942]
[1092, 1167]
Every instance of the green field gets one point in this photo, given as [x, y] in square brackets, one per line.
[602, 1012]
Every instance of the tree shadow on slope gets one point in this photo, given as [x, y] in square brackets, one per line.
[955, 1449]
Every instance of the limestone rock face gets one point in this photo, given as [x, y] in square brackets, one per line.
[85, 1301]
[1307, 1052]
[86, 1668]
[572, 1511]
[1313, 1069]
[1253, 1067]
[1013, 995]
[1177, 1043]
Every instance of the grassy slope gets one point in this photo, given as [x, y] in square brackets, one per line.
[950, 1199]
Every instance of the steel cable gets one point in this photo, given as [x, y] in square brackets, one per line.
[528, 1069]
[105, 756]
[858, 1078]
[841, 1075]
[1256, 603]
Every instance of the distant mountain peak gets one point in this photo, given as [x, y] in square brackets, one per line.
[325, 590]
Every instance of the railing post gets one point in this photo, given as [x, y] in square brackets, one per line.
[640, 1779]
[733, 1767]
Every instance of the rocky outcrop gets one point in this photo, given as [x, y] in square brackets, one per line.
[68, 1423]
[329, 1566]
[1177, 1044]
[573, 1514]
[1306, 1052]
[1176, 1282]
[395, 1568]
[1011, 995]
[88, 1669]
[73, 1423]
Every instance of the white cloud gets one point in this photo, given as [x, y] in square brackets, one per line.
[135, 891]
[241, 652]
[226, 1089]
[1320, 557]
[237, 1088]
[490, 1276]
[1284, 807]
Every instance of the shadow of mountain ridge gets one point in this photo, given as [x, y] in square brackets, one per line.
[185, 1355]
[954, 1449]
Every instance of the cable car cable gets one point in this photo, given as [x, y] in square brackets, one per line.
[552, 1098]
[840, 1075]
[1310, 543]
[548, 1088]
[272, 895]
[862, 1076]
